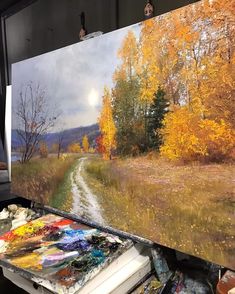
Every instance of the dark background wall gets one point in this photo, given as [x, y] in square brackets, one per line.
[32, 27]
[51, 24]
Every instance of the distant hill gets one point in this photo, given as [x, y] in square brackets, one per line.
[70, 136]
[15, 142]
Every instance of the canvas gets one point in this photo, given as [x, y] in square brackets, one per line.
[135, 130]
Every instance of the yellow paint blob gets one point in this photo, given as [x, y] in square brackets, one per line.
[29, 228]
[30, 261]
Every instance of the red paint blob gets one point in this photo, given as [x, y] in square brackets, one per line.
[63, 222]
[9, 236]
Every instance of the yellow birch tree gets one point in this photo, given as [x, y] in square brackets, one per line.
[107, 126]
[85, 144]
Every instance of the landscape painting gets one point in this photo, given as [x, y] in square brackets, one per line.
[134, 129]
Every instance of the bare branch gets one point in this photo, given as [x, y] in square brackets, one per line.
[35, 118]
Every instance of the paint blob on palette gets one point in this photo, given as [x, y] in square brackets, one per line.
[60, 251]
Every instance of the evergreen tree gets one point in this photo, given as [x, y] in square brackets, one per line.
[156, 114]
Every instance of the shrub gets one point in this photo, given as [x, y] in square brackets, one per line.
[188, 137]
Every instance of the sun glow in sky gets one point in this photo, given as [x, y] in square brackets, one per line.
[73, 77]
[93, 98]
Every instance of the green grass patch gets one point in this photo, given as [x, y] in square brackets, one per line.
[39, 179]
[62, 198]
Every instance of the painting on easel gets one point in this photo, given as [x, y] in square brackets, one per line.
[135, 129]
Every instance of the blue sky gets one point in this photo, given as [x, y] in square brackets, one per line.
[73, 77]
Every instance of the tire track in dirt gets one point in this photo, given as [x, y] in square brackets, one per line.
[84, 201]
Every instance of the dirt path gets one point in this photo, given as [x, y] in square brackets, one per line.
[84, 201]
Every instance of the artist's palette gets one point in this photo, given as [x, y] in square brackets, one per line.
[60, 251]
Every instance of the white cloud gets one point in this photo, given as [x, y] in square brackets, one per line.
[69, 74]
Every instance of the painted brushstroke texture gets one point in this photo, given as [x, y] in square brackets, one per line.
[61, 251]
[135, 129]
[84, 201]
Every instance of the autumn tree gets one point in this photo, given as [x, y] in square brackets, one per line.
[34, 118]
[194, 64]
[159, 59]
[220, 102]
[85, 144]
[127, 111]
[43, 149]
[74, 148]
[128, 53]
[128, 115]
[204, 42]
[189, 54]
[100, 148]
[107, 126]
[188, 137]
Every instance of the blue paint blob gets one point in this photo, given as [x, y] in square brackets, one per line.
[80, 245]
[97, 253]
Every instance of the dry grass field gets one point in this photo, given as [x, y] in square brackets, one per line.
[188, 207]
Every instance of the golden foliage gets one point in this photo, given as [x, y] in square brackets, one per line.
[74, 148]
[190, 55]
[85, 144]
[128, 53]
[91, 150]
[159, 58]
[107, 126]
[220, 102]
[189, 137]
